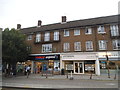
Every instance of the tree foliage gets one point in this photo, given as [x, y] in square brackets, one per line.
[14, 48]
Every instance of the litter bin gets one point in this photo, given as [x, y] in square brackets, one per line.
[62, 72]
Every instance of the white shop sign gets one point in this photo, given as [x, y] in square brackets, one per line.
[78, 57]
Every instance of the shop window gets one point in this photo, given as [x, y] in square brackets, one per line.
[51, 64]
[69, 66]
[112, 65]
[89, 66]
[103, 65]
[56, 65]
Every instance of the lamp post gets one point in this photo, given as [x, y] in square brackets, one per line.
[107, 58]
[108, 65]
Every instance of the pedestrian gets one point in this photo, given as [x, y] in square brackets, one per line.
[28, 70]
[25, 70]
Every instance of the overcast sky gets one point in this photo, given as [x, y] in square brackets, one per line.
[28, 12]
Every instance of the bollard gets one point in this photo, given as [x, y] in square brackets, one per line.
[46, 75]
[91, 76]
[71, 77]
[67, 76]
[115, 77]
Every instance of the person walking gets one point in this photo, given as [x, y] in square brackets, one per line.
[28, 71]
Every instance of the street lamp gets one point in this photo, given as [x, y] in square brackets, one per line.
[107, 65]
[107, 58]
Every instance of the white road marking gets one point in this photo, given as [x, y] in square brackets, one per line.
[110, 84]
[25, 85]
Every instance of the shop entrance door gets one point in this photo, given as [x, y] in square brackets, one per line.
[78, 67]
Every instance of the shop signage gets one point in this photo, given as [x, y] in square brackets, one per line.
[79, 57]
[47, 57]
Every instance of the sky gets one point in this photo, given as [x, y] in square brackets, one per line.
[28, 12]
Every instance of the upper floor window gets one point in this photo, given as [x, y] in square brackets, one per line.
[66, 47]
[28, 48]
[89, 45]
[47, 48]
[66, 33]
[77, 46]
[116, 44]
[77, 32]
[114, 30]
[47, 36]
[38, 38]
[101, 29]
[56, 35]
[29, 37]
[102, 44]
[88, 30]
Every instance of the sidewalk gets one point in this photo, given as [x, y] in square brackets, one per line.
[75, 77]
[60, 81]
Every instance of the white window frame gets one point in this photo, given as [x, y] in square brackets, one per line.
[47, 36]
[77, 46]
[77, 32]
[56, 35]
[89, 45]
[46, 48]
[66, 33]
[116, 44]
[114, 30]
[66, 47]
[38, 37]
[28, 48]
[29, 37]
[102, 44]
[101, 29]
[88, 30]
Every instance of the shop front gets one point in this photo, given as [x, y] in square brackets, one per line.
[112, 63]
[43, 62]
[80, 63]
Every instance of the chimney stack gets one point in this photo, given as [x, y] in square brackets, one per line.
[18, 26]
[64, 19]
[39, 23]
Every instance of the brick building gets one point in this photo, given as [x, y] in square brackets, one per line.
[80, 46]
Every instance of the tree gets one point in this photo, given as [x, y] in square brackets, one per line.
[14, 48]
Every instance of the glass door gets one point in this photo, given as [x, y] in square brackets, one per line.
[78, 67]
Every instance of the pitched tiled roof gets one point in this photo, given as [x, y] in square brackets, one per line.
[73, 24]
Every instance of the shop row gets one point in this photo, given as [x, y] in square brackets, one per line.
[77, 63]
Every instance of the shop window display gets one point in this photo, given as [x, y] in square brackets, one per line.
[89, 66]
[68, 67]
[112, 65]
